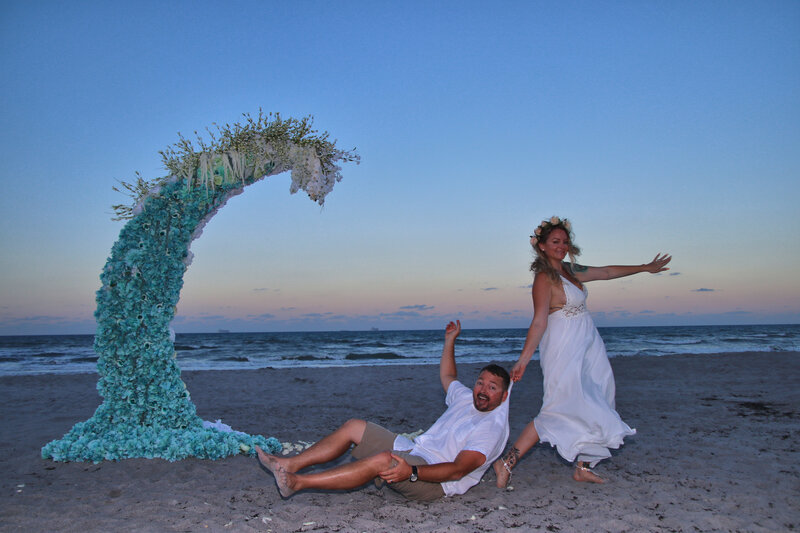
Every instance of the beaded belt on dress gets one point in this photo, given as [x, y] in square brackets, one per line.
[574, 310]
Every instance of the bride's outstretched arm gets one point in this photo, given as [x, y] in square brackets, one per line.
[658, 264]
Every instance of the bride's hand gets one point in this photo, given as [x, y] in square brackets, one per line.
[517, 371]
[658, 264]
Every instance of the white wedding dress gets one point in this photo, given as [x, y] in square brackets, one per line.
[578, 413]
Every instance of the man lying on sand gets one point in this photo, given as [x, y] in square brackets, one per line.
[446, 460]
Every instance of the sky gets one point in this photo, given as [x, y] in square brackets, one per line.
[654, 126]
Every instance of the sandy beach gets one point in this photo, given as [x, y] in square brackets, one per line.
[716, 449]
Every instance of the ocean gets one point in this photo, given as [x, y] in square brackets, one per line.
[69, 354]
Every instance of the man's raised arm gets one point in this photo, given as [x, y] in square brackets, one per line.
[447, 366]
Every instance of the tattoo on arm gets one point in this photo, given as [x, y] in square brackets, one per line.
[579, 268]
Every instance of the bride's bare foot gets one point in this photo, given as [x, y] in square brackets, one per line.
[502, 467]
[584, 474]
[283, 478]
[503, 473]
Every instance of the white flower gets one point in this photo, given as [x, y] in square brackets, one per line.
[554, 220]
[538, 231]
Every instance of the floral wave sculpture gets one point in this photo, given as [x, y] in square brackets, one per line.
[146, 409]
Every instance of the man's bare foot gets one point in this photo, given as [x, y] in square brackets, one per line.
[282, 477]
[283, 462]
[502, 472]
[584, 474]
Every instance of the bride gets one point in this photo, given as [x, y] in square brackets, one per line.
[578, 414]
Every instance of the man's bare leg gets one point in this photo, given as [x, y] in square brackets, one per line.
[503, 466]
[348, 476]
[329, 448]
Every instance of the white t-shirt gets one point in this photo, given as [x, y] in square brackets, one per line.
[461, 427]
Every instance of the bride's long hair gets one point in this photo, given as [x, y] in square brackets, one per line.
[542, 233]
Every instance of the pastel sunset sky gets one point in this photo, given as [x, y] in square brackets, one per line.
[653, 126]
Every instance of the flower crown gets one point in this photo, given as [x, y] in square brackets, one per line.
[546, 225]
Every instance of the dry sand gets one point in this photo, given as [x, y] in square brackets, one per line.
[716, 450]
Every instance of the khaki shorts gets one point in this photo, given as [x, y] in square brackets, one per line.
[377, 439]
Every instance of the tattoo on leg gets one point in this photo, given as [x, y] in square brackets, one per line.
[512, 457]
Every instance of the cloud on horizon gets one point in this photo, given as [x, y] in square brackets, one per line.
[262, 316]
[41, 318]
[418, 307]
[399, 314]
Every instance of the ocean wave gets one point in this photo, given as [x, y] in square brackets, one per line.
[681, 342]
[489, 341]
[189, 348]
[268, 340]
[344, 340]
[304, 358]
[370, 344]
[379, 355]
[650, 353]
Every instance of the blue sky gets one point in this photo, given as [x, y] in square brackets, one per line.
[653, 126]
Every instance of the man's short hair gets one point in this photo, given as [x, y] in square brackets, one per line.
[498, 371]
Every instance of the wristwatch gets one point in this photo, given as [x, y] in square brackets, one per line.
[414, 475]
